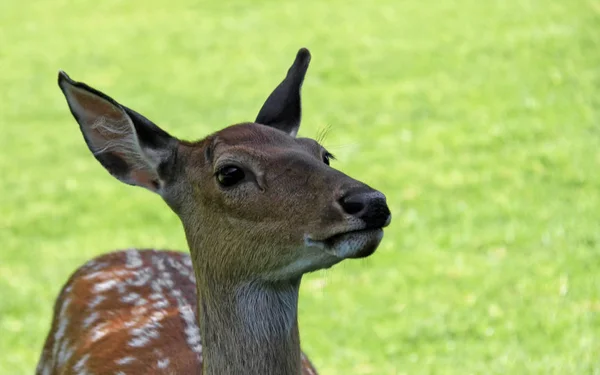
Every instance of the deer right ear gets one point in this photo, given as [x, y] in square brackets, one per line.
[283, 108]
[127, 144]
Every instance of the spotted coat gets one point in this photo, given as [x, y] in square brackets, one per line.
[128, 312]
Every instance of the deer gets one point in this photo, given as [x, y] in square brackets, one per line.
[260, 207]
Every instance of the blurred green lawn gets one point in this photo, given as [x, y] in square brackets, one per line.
[479, 120]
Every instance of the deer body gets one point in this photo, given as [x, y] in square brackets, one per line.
[260, 208]
[129, 312]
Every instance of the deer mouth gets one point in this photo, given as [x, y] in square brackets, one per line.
[352, 244]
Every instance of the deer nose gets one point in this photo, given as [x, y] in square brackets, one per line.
[368, 205]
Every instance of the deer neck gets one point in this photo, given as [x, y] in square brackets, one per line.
[249, 327]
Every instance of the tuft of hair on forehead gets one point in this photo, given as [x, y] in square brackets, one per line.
[250, 132]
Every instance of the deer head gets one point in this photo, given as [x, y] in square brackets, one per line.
[256, 202]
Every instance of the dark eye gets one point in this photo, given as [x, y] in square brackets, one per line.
[230, 175]
[327, 157]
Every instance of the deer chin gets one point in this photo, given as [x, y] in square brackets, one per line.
[352, 244]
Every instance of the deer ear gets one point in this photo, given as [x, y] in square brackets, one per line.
[127, 144]
[283, 109]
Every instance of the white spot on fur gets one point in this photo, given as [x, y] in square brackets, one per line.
[192, 331]
[90, 319]
[148, 330]
[96, 301]
[139, 310]
[163, 363]
[130, 323]
[159, 262]
[63, 322]
[93, 275]
[163, 281]
[155, 296]
[139, 342]
[64, 353]
[125, 360]
[158, 315]
[161, 304]
[79, 367]
[105, 285]
[144, 334]
[182, 269]
[142, 277]
[121, 272]
[99, 265]
[130, 297]
[133, 259]
[99, 332]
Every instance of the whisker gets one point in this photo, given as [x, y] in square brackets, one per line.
[323, 133]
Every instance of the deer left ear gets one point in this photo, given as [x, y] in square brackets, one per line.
[128, 145]
[282, 109]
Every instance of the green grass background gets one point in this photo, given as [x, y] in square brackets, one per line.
[478, 119]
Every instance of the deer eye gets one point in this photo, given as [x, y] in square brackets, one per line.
[327, 157]
[230, 175]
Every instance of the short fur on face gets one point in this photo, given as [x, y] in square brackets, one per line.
[289, 194]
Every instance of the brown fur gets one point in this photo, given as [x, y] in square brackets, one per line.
[288, 214]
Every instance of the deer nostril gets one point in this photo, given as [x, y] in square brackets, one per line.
[368, 206]
[352, 205]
